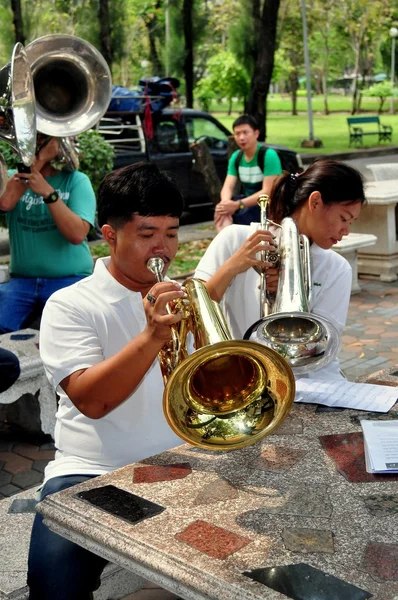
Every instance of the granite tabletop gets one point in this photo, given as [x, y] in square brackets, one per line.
[293, 516]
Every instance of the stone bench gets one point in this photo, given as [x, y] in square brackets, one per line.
[16, 518]
[348, 247]
[35, 414]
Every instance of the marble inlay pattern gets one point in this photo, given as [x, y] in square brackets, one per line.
[303, 582]
[277, 458]
[213, 541]
[308, 540]
[381, 561]
[229, 516]
[347, 451]
[382, 505]
[165, 473]
[217, 491]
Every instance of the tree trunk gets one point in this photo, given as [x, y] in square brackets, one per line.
[264, 41]
[188, 60]
[325, 94]
[17, 20]
[204, 164]
[294, 85]
[105, 31]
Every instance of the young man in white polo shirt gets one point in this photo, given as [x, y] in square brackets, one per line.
[99, 343]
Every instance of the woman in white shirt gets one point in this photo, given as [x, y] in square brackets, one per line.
[323, 201]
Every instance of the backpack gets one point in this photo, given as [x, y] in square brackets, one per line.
[260, 158]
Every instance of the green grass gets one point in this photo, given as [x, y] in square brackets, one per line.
[287, 130]
[187, 257]
[283, 103]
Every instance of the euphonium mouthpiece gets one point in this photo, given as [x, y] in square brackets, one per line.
[156, 266]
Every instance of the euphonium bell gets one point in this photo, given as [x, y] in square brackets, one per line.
[72, 84]
[17, 106]
[228, 393]
[307, 341]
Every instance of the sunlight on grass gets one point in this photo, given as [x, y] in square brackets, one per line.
[187, 257]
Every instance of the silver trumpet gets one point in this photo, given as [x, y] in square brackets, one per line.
[308, 342]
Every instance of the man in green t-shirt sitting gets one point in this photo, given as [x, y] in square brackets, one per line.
[49, 213]
[254, 179]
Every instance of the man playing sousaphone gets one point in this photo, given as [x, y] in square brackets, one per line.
[49, 213]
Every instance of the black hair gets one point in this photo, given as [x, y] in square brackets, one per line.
[337, 182]
[138, 189]
[245, 120]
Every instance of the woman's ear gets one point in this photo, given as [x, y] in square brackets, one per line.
[314, 201]
[109, 234]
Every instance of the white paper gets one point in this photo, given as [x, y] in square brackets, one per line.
[346, 394]
[381, 446]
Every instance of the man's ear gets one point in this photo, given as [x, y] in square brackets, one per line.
[109, 234]
[314, 201]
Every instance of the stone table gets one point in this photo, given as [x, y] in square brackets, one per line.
[379, 217]
[297, 512]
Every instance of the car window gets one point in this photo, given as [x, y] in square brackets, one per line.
[166, 137]
[200, 128]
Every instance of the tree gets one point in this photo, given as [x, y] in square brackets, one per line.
[226, 79]
[105, 31]
[261, 29]
[17, 20]
[382, 91]
[188, 60]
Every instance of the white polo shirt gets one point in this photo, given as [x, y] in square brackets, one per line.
[81, 326]
[331, 275]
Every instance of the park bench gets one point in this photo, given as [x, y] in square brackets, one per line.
[33, 398]
[384, 132]
[16, 518]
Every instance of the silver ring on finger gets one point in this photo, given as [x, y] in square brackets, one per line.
[151, 298]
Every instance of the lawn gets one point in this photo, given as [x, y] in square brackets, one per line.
[287, 130]
[187, 257]
[332, 129]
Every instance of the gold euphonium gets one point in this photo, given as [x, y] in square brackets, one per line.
[228, 393]
[308, 342]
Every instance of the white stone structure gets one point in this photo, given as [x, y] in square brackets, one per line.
[379, 217]
[348, 247]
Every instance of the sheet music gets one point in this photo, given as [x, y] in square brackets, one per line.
[346, 394]
[380, 440]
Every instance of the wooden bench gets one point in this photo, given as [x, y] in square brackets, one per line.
[384, 132]
[16, 518]
[35, 414]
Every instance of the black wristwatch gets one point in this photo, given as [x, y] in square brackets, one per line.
[53, 197]
[241, 206]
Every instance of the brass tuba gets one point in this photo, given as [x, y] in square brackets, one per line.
[73, 88]
[228, 393]
[307, 341]
[17, 109]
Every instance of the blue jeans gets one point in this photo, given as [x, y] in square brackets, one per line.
[57, 568]
[23, 297]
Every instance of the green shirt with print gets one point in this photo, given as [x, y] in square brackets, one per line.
[37, 247]
[250, 174]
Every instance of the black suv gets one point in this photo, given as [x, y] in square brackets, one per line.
[174, 130]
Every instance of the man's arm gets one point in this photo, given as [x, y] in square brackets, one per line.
[227, 205]
[97, 390]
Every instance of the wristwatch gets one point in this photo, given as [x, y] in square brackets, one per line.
[241, 206]
[53, 197]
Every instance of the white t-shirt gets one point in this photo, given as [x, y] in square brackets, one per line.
[81, 326]
[331, 276]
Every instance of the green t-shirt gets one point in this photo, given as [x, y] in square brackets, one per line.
[37, 247]
[250, 173]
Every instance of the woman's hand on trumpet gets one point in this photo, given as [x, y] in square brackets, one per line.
[156, 303]
[248, 254]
